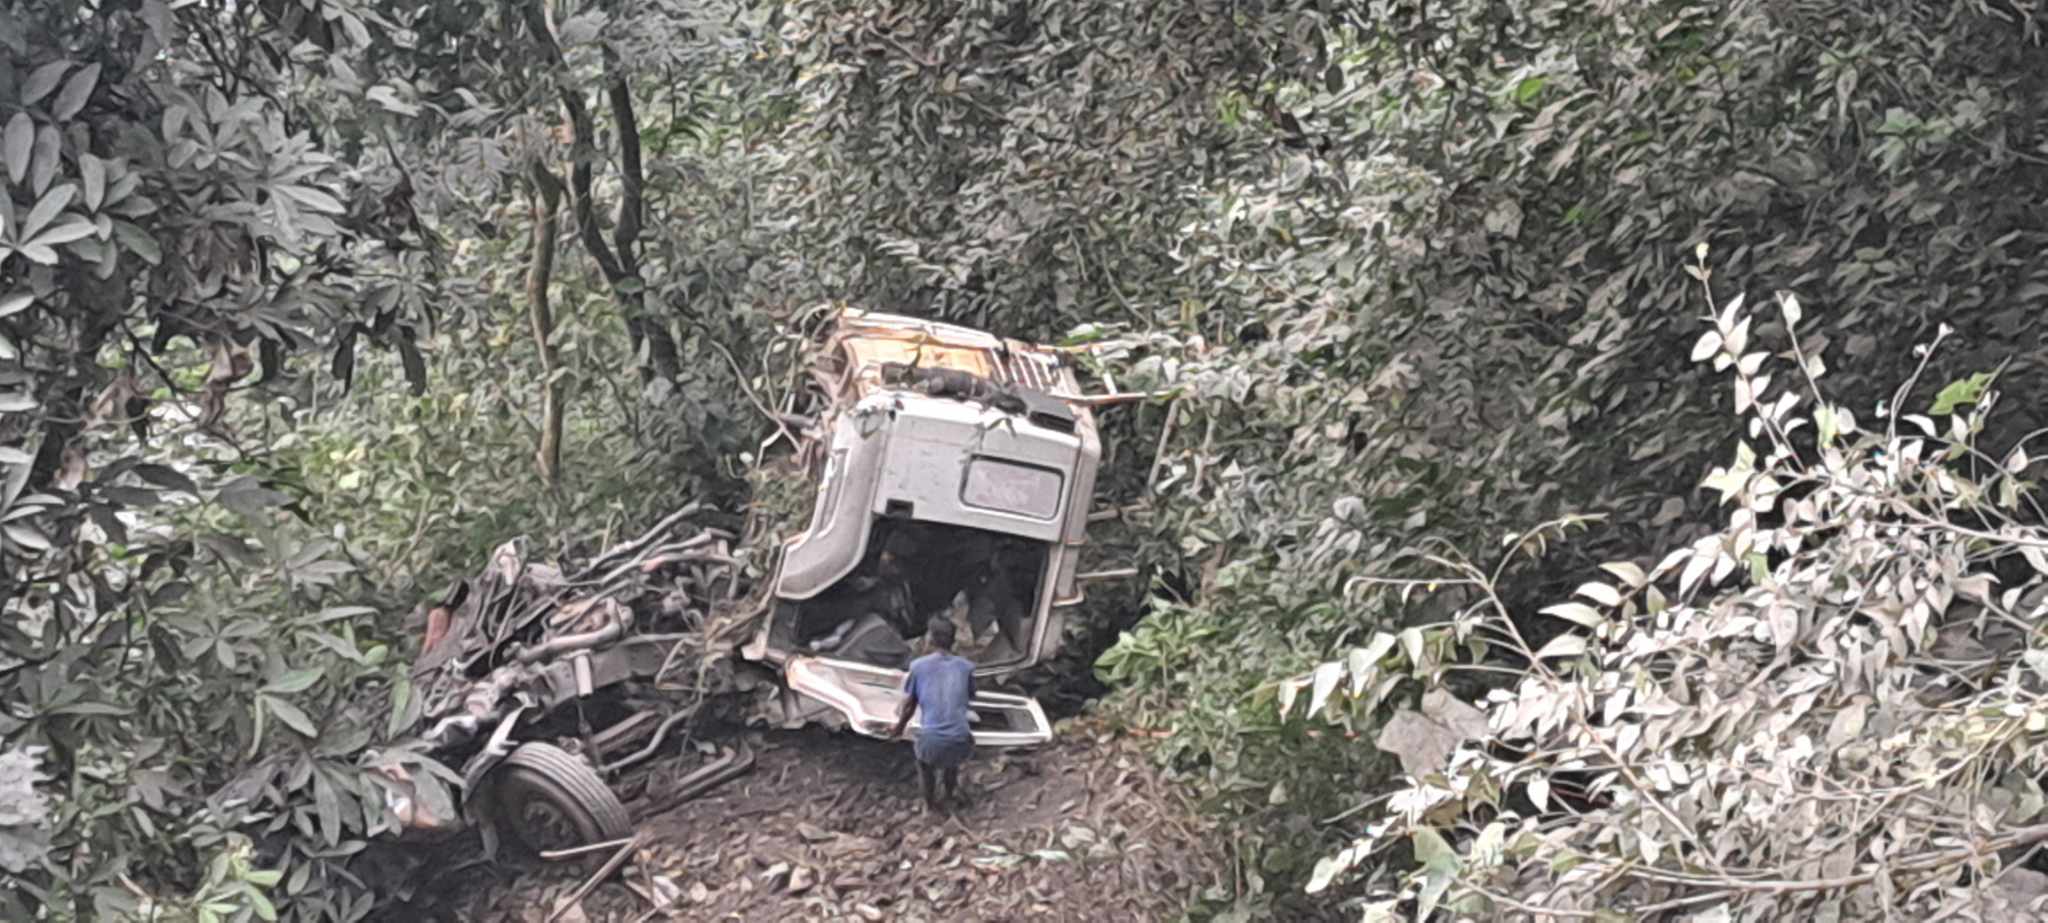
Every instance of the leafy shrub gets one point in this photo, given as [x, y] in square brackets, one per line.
[229, 732]
[1832, 708]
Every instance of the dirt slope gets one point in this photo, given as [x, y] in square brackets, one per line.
[829, 827]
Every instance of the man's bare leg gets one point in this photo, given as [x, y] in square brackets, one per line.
[926, 785]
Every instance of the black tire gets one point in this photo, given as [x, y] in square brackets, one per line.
[547, 798]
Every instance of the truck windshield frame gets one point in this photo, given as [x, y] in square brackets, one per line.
[1012, 487]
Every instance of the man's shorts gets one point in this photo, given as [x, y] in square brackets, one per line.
[943, 752]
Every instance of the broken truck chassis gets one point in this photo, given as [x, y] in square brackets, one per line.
[515, 657]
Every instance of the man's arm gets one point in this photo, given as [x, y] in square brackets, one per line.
[909, 707]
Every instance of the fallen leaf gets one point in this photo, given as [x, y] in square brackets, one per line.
[812, 833]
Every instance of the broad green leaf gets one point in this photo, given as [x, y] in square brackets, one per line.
[139, 242]
[77, 90]
[262, 906]
[1577, 613]
[1563, 646]
[1600, 593]
[90, 708]
[327, 805]
[1628, 572]
[16, 303]
[49, 155]
[1325, 682]
[1961, 391]
[1706, 346]
[25, 536]
[1365, 661]
[93, 172]
[42, 80]
[336, 613]
[46, 210]
[294, 681]
[1326, 870]
[1728, 323]
[66, 230]
[1411, 645]
[291, 715]
[1432, 852]
[401, 699]
[1440, 865]
[16, 144]
[315, 199]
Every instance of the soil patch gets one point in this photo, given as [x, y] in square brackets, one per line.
[830, 827]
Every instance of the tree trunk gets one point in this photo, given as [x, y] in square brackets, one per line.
[619, 259]
[547, 200]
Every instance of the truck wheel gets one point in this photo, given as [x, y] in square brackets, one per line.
[549, 799]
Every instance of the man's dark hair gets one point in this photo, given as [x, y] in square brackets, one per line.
[940, 632]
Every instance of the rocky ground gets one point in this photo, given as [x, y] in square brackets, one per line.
[829, 827]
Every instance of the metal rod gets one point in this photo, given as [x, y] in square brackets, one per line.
[633, 547]
[568, 643]
[610, 866]
[1118, 512]
[555, 855]
[660, 734]
[705, 778]
[1104, 400]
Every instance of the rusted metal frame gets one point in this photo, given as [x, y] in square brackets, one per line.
[736, 761]
[641, 755]
[569, 644]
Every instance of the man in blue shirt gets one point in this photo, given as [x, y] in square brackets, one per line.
[940, 683]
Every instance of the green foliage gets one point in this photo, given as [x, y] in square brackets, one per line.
[1400, 274]
[1470, 308]
[1733, 740]
[172, 236]
[1024, 168]
[24, 812]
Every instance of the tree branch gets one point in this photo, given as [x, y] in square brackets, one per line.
[631, 178]
[547, 198]
[583, 150]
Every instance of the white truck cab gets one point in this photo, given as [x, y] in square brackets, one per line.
[954, 471]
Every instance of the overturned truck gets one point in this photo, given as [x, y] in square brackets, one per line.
[946, 472]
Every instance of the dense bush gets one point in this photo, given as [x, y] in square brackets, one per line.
[1466, 308]
[1830, 708]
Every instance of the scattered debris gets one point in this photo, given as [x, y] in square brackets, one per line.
[811, 833]
[828, 828]
[611, 866]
